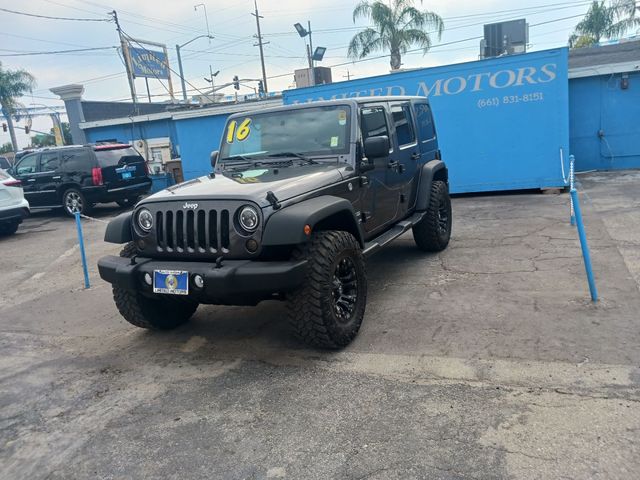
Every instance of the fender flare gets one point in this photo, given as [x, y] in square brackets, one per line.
[286, 226]
[119, 229]
[435, 169]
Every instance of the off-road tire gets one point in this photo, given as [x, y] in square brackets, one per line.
[154, 313]
[8, 228]
[433, 232]
[312, 308]
[84, 205]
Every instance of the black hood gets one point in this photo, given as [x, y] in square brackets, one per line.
[254, 183]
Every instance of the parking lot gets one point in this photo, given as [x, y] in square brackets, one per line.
[485, 361]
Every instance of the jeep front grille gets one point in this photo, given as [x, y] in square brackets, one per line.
[204, 231]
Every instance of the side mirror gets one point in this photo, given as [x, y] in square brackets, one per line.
[214, 158]
[376, 147]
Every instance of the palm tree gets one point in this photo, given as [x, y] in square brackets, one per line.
[627, 13]
[396, 27]
[13, 85]
[603, 21]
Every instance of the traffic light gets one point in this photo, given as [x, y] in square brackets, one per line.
[236, 82]
[4, 127]
[27, 129]
[260, 88]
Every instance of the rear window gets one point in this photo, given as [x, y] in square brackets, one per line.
[120, 156]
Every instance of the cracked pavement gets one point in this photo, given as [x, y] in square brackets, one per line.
[487, 361]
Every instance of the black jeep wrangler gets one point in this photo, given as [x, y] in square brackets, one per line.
[298, 197]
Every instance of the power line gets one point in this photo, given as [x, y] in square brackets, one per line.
[545, 9]
[56, 18]
[54, 52]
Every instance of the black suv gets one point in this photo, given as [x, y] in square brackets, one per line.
[77, 177]
[298, 197]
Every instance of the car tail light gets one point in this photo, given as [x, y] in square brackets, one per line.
[96, 175]
[12, 183]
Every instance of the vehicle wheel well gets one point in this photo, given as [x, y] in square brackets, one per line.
[342, 221]
[441, 175]
[64, 187]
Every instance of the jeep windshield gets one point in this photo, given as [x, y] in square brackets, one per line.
[296, 133]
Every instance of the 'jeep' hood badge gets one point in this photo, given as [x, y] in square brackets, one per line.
[190, 206]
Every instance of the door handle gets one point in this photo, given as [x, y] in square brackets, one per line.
[393, 164]
[57, 177]
[364, 181]
[416, 156]
[31, 180]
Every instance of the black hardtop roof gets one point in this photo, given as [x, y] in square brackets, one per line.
[339, 101]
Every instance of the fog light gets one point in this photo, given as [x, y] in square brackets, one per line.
[252, 245]
[147, 279]
[198, 281]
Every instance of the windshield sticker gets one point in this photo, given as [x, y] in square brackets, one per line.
[342, 117]
[238, 132]
[334, 142]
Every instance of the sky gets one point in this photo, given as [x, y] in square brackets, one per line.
[232, 51]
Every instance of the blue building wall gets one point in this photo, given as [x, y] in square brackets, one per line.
[599, 105]
[198, 138]
[125, 133]
[501, 122]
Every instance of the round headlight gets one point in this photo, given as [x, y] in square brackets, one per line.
[248, 218]
[145, 220]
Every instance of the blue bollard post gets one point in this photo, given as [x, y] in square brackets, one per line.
[583, 244]
[82, 254]
[572, 160]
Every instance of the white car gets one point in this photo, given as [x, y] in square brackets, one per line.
[13, 206]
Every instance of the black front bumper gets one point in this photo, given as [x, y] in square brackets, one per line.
[235, 282]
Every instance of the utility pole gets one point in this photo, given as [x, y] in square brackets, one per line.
[125, 54]
[260, 44]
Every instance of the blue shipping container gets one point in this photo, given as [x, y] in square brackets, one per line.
[503, 123]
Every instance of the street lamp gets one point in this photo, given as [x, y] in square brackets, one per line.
[212, 76]
[303, 33]
[206, 19]
[312, 55]
[178, 47]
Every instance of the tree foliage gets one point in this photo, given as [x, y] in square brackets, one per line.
[13, 85]
[396, 27]
[604, 21]
[42, 140]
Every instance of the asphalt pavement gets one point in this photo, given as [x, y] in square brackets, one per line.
[486, 361]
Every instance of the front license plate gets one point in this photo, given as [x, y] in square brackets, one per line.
[171, 282]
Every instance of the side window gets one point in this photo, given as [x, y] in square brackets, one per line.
[424, 121]
[403, 123]
[374, 122]
[76, 160]
[27, 165]
[49, 162]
